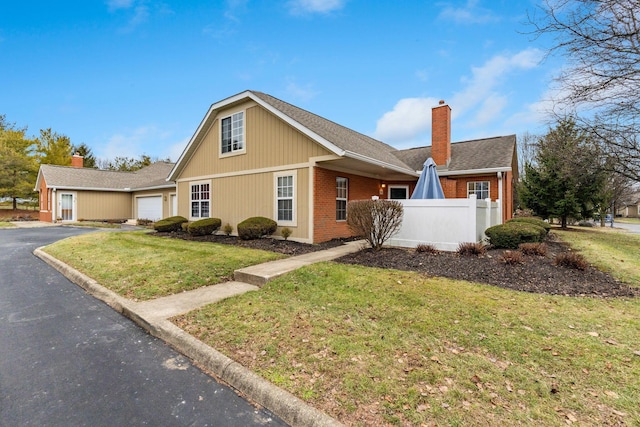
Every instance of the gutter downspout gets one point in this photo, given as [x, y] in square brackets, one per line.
[54, 204]
[500, 197]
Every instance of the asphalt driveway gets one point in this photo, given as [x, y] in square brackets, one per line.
[67, 359]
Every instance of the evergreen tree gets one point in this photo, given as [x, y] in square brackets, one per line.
[566, 177]
[84, 151]
[18, 168]
[53, 148]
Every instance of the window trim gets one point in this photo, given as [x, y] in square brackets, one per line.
[404, 187]
[345, 199]
[191, 200]
[475, 191]
[233, 152]
[294, 197]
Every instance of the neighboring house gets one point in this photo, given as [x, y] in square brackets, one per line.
[255, 155]
[74, 193]
[630, 208]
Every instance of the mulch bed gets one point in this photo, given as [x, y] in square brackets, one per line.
[536, 274]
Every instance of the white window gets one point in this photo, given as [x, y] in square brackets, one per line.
[232, 133]
[398, 192]
[342, 190]
[285, 192]
[200, 200]
[479, 188]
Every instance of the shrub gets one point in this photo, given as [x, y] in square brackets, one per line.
[585, 223]
[471, 248]
[286, 232]
[375, 220]
[571, 260]
[256, 227]
[228, 229]
[185, 226]
[204, 227]
[533, 248]
[511, 234]
[426, 248]
[512, 257]
[534, 221]
[142, 222]
[172, 223]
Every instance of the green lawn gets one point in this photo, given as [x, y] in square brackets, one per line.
[372, 346]
[140, 266]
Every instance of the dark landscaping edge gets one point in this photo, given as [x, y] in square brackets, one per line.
[285, 405]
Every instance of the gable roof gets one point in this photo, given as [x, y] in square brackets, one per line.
[336, 138]
[70, 178]
[494, 154]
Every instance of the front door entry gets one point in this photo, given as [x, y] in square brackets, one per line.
[66, 206]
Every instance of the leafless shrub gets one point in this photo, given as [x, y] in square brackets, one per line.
[426, 248]
[375, 220]
[533, 248]
[571, 260]
[512, 257]
[471, 248]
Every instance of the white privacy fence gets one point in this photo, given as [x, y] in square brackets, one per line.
[445, 223]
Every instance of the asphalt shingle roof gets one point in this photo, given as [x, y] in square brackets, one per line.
[487, 153]
[153, 175]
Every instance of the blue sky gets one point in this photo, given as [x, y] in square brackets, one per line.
[132, 77]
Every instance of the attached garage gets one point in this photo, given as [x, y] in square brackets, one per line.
[149, 207]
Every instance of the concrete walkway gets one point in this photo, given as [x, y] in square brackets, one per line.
[154, 317]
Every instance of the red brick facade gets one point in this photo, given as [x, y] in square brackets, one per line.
[46, 203]
[441, 134]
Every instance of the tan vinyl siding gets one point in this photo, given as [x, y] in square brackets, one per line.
[234, 199]
[269, 142]
[99, 205]
[166, 200]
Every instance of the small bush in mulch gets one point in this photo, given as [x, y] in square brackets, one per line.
[471, 249]
[512, 257]
[425, 248]
[509, 235]
[256, 227]
[204, 226]
[227, 229]
[571, 260]
[539, 249]
[172, 223]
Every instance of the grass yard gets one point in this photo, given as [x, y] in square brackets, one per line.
[612, 250]
[384, 347]
[141, 267]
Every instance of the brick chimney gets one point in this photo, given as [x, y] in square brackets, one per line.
[441, 134]
[77, 161]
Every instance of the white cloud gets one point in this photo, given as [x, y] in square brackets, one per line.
[119, 4]
[409, 118]
[470, 13]
[480, 97]
[300, 7]
[175, 150]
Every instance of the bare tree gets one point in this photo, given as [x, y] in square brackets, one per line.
[600, 39]
[375, 220]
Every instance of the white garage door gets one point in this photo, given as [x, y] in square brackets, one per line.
[150, 208]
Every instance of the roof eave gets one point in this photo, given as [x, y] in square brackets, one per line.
[360, 157]
[474, 171]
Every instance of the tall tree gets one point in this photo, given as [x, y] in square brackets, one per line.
[84, 151]
[566, 177]
[53, 148]
[18, 168]
[600, 39]
[127, 164]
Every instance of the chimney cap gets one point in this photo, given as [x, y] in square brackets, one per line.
[441, 102]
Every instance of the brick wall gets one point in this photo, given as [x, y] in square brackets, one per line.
[325, 226]
[441, 134]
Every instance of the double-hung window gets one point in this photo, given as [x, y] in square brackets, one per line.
[479, 188]
[342, 189]
[232, 133]
[200, 200]
[285, 198]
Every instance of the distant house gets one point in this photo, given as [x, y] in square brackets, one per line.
[74, 193]
[630, 208]
[255, 155]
